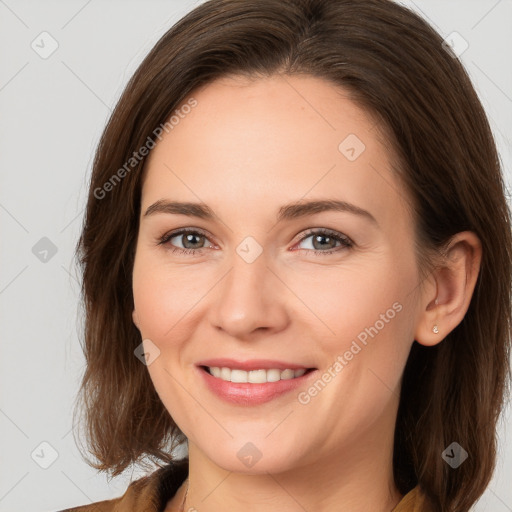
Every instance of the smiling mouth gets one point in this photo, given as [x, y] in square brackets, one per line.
[260, 376]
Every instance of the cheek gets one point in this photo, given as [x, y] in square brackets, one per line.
[366, 351]
[162, 296]
[346, 301]
[160, 301]
[366, 316]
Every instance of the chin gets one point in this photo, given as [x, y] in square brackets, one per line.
[253, 458]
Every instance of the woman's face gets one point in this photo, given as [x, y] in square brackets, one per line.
[333, 290]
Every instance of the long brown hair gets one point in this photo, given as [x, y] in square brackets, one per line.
[396, 67]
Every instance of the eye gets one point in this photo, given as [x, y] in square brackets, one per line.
[192, 241]
[326, 240]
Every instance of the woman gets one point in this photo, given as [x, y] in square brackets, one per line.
[297, 263]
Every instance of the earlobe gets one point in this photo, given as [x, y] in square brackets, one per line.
[447, 301]
[135, 318]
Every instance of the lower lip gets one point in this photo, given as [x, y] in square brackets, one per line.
[243, 393]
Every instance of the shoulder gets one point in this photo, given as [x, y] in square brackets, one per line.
[149, 493]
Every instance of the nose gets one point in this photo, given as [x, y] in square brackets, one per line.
[250, 298]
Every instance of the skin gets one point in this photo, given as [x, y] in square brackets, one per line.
[246, 149]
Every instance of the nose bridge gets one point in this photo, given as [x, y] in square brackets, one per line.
[249, 293]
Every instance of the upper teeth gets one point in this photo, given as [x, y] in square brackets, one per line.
[255, 376]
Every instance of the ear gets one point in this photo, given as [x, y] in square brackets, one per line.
[445, 300]
[135, 318]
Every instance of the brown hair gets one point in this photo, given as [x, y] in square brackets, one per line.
[395, 66]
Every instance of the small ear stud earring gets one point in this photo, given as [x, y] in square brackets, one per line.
[435, 302]
[435, 330]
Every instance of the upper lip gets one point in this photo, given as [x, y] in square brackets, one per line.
[251, 364]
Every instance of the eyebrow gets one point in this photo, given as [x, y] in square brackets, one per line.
[287, 212]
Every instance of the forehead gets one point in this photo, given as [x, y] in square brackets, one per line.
[272, 140]
[301, 115]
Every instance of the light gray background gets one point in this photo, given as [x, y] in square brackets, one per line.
[52, 113]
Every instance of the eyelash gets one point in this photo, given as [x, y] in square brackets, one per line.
[345, 241]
